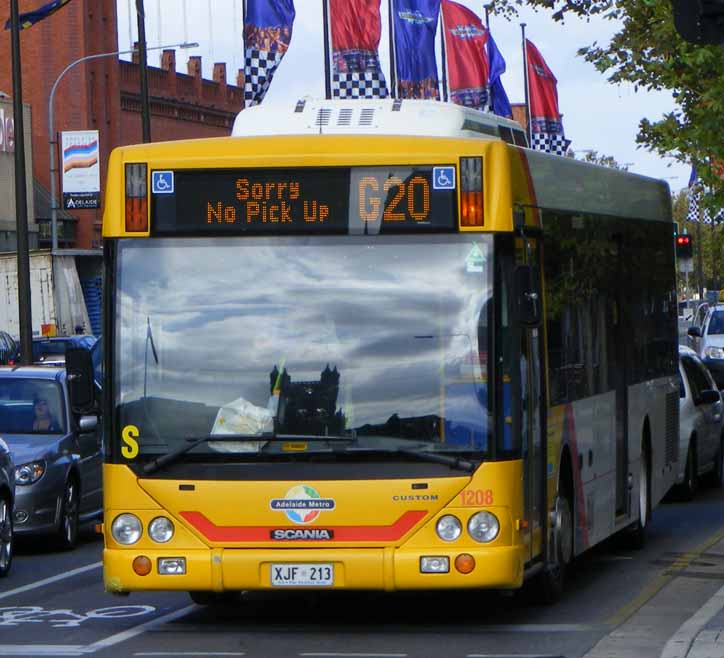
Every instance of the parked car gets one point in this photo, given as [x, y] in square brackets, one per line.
[51, 350]
[7, 500]
[707, 340]
[701, 424]
[58, 454]
[8, 349]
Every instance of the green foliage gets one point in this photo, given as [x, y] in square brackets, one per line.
[647, 52]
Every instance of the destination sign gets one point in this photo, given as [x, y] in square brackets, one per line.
[359, 200]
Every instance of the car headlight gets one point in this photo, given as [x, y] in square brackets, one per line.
[29, 473]
[160, 529]
[126, 529]
[714, 352]
[483, 527]
[448, 528]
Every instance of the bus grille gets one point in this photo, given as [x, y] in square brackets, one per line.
[323, 116]
[672, 427]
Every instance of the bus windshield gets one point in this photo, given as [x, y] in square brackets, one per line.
[381, 340]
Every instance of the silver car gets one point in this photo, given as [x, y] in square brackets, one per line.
[7, 499]
[58, 455]
[701, 417]
[707, 340]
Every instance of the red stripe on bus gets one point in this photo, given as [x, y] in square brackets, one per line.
[214, 532]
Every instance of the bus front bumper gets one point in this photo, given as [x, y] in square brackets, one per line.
[381, 569]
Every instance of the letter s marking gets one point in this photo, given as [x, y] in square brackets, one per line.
[129, 435]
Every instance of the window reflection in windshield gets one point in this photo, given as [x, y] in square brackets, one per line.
[384, 338]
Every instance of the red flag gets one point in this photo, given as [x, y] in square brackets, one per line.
[355, 31]
[467, 61]
[542, 85]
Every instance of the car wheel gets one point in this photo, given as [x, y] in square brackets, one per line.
[637, 532]
[717, 476]
[6, 537]
[691, 478]
[69, 511]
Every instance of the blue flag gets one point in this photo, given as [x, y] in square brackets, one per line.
[30, 18]
[499, 99]
[267, 34]
[415, 25]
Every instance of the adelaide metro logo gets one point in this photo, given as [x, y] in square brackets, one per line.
[302, 504]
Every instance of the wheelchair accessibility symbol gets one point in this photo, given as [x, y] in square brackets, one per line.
[162, 182]
[443, 178]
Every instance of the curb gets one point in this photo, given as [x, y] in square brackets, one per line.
[680, 642]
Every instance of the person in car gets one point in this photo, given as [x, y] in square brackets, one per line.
[43, 420]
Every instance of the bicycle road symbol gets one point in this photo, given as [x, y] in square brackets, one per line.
[443, 178]
[162, 182]
[63, 618]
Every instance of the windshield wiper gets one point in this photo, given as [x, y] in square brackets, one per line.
[427, 456]
[163, 460]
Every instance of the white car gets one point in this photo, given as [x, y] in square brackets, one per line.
[707, 340]
[701, 424]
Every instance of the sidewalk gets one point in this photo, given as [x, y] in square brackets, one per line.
[709, 641]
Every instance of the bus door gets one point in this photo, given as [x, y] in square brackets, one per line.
[532, 407]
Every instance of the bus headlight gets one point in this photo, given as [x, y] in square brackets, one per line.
[126, 529]
[483, 527]
[160, 529]
[448, 528]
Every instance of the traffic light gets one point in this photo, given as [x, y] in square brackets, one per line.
[699, 21]
[684, 246]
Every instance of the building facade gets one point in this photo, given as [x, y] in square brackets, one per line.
[103, 94]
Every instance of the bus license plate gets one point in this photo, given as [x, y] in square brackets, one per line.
[302, 575]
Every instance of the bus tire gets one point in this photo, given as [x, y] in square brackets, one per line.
[215, 599]
[551, 581]
[637, 533]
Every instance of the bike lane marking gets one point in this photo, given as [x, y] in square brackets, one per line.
[130, 633]
[50, 580]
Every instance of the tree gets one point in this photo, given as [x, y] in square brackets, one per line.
[648, 52]
[594, 157]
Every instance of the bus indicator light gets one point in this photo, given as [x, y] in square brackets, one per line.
[136, 198]
[471, 191]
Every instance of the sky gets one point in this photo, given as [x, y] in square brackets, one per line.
[596, 114]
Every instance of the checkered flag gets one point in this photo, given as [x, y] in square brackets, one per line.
[259, 69]
[692, 215]
[554, 143]
[367, 84]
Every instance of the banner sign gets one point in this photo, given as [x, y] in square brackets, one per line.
[81, 169]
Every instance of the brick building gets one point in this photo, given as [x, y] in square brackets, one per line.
[104, 95]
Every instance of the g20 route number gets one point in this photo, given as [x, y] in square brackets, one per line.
[409, 199]
[476, 497]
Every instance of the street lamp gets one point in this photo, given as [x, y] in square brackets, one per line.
[51, 128]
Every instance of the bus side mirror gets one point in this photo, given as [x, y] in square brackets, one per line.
[694, 332]
[528, 299]
[79, 373]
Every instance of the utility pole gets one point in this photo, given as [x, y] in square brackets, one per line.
[143, 72]
[25, 317]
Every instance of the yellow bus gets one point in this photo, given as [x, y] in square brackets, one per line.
[379, 345]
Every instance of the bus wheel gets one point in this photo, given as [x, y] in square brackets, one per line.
[552, 579]
[215, 599]
[637, 534]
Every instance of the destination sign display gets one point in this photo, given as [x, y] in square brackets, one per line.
[358, 200]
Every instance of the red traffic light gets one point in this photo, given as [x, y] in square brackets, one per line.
[683, 239]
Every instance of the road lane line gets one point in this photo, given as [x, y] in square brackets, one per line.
[319, 654]
[41, 650]
[190, 653]
[52, 579]
[513, 655]
[541, 628]
[130, 633]
[663, 579]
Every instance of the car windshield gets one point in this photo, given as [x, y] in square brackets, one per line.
[383, 340]
[31, 406]
[716, 323]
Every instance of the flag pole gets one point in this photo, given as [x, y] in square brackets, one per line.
[443, 48]
[487, 16]
[393, 56]
[699, 270]
[327, 75]
[529, 129]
